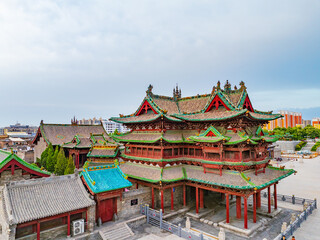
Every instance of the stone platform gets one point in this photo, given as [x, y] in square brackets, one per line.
[236, 226]
[202, 212]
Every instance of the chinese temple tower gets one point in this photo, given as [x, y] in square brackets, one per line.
[209, 142]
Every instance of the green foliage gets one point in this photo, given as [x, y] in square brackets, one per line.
[52, 159]
[38, 161]
[45, 155]
[70, 167]
[115, 132]
[297, 133]
[300, 145]
[315, 147]
[61, 163]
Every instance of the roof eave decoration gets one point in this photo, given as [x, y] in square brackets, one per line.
[268, 117]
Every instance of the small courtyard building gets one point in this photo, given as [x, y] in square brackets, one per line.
[44, 208]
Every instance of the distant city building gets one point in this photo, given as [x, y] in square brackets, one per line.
[93, 121]
[31, 130]
[289, 119]
[316, 122]
[108, 125]
[306, 122]
[111, 126]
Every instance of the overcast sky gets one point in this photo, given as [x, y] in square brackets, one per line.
[96, 58]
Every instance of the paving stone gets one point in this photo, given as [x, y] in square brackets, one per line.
[206, 221]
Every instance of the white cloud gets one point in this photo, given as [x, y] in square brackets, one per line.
[286, 98]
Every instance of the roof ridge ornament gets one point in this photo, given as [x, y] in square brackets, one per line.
[176, 93]
[149, 90]
[242, 86]
[227, 86]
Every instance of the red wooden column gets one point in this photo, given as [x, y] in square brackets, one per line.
[162, 200]
[254, 207]
[275, 196]
[38, 230]
[184, 195]
[137, 185]
[197, 200]
[152, 201]
[68, 224]
[201, 198]
[227, 209]
[245, 212]
[259, 199]
[172, 198]
[269, 200]
[78, 158]
[238, 201]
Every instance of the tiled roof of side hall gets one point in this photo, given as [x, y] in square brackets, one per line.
[104, 178]
[103, 152]
[58, 134]
[34, 199]
[231, 179]
[6, 157]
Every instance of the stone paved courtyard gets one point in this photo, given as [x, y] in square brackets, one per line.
[305, 184]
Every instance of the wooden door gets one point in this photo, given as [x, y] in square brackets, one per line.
[106, 209]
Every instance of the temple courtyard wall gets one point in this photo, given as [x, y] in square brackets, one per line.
[130, 203]
[287, 145]
[6, 176]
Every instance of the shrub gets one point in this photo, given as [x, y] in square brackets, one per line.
[315, 147]
[300, 145]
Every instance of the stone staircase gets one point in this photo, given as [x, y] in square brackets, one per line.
[308, 146]
[119, 231]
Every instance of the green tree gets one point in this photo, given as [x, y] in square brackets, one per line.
[116, 132]
[52, 160]
[61, 163]
[47, 155]
[70, 167]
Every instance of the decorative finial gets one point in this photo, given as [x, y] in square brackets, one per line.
[149, 89]
[176, 93]
[218, 85]
[227, 86]
[235, 87]
[74, 121]
[242, 86]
